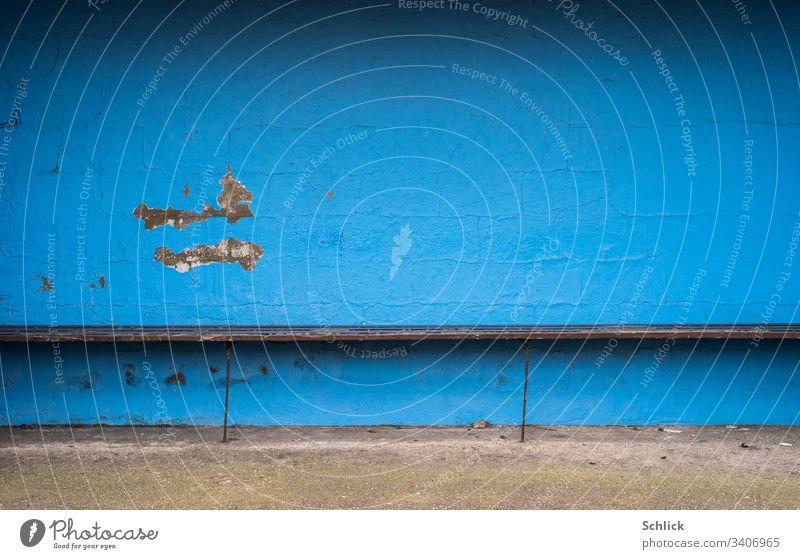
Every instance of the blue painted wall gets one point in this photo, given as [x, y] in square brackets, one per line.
[433, 383]
[492, 201]
[522, 169]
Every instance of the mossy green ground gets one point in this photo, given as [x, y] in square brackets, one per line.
[385, 467]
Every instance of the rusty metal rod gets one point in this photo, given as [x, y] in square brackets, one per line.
[227, 390]
[524, 396]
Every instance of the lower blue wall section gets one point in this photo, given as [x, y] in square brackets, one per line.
[447, 383]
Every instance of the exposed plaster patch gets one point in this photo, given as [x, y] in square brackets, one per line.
[229, 251]
[233, 204]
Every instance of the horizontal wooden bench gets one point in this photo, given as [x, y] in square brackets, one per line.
[217, 333]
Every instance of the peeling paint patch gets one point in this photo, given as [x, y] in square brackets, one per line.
[229, 251]
[185, 190]
[263, 369]
[233, 204]
[213, 370]
[181, 219]
[102, 281]
[177, 378]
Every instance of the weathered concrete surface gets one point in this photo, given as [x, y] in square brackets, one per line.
[386, 467]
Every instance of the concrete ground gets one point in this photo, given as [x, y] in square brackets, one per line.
[385, 467]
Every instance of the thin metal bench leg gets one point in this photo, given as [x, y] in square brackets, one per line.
[524, 396]
[227, 390]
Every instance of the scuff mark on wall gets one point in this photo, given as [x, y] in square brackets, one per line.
[130, 374]
[46, 285]
[177, 378]
[233, 204]
[229, 251]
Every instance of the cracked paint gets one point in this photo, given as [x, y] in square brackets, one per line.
[229, 251]
[233, 204]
